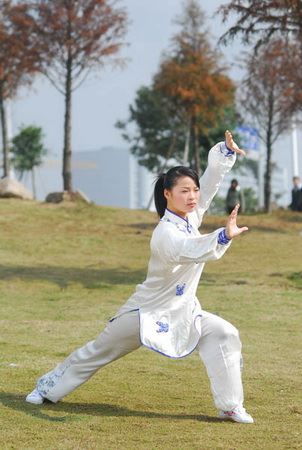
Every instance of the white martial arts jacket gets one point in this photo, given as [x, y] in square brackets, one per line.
[166, 300]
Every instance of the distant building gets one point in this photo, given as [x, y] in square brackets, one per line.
[112, 177]
[109, 176]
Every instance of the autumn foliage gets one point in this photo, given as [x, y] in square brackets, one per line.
[19, 59]
[273, 85]
[78, 35]
[259, 22]
[196, 87]
[269, 97]
[74, 38]
[192, 78]
[64, 40]
[188, 105]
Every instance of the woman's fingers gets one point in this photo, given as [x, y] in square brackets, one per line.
[232, 145]
[243, 229]
[232, 230]
[234, 213]
[235, 210]
[240, 151]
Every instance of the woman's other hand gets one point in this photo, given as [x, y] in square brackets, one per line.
[231, 229]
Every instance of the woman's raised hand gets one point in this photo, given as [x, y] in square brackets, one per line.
[231, 229]
[231, 144]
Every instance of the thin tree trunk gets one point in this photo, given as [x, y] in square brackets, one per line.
[187, 146]
[195, 141]
[268, 176]
[5, 148]
[268, 168]
[67, 175]
[163, 167]
[33, 183]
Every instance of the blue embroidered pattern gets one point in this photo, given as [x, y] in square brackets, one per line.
[186, 228]
[189, 228]
[163, 327]
[49, 380]
[181, 228]
[227, 151]
[180, 288]
[222, 238]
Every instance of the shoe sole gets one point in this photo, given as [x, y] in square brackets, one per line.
[35, 402]
[233, 419]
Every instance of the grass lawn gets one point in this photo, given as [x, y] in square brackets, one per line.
[64, 270]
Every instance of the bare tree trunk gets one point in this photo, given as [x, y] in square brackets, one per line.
[195, 141]
[187, 146]
[67, 175]
[268, 168]
[33, 183]
[5, 148]
[163, 167]
[268, 176]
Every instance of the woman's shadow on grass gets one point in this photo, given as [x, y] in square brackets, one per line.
[88, 277]
[17, 403]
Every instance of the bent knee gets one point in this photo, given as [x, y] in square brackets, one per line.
[229, 333]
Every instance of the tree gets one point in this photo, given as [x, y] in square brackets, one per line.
[159, 135]
[28, 151]
[228, 119]
[262, 21]
[19, 60]
[267, 97]
[251, 200]
[188, 105]
[79, 36]
[192, 79]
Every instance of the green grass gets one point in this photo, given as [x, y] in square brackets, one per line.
[64, 270]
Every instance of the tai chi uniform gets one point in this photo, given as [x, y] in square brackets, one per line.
[164, 313]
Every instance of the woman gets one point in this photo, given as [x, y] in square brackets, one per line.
[164, 314]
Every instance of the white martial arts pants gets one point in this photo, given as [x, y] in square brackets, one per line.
[219, 348]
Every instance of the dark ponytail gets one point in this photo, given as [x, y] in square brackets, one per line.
[167, 181]
[159, 198]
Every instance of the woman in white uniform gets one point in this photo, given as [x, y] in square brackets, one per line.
[164, 314]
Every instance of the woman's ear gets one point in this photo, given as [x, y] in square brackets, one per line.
[167, 194]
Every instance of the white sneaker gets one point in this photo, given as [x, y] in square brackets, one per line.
[237, 415]
[35, 397]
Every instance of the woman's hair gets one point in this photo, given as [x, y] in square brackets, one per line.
[168, 181]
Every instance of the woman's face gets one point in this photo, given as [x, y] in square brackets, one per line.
[183, 197]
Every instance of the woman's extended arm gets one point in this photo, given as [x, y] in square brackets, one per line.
[174, 248]
[220, 161]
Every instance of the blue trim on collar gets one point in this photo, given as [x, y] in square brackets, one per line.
[188, 225]
[177, 215]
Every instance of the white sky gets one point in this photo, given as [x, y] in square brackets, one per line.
[105, 98]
